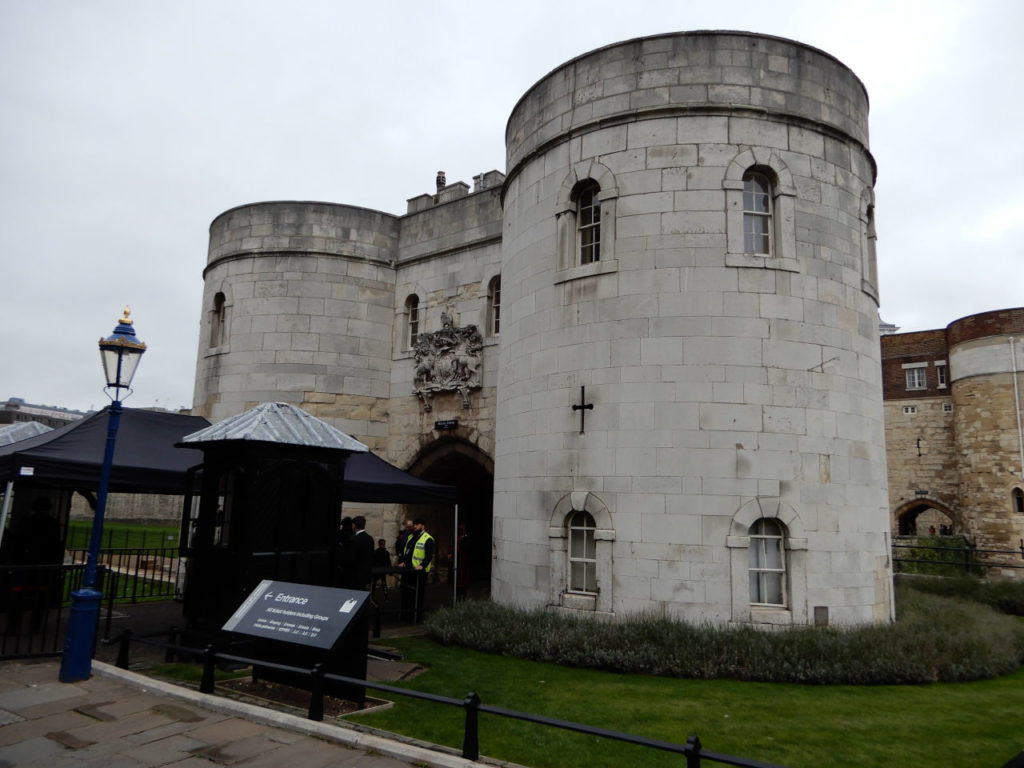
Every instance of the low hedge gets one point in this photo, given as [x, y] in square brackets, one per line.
[934, 639]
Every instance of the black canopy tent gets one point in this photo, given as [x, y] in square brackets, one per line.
[147, 461]
[71, 457]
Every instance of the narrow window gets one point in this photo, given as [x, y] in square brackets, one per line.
[767, 564]
[412, 308]
[588, 223]
[909, 410]
[217, 321]
[1018, 501]
[494, 306]
[757, 214]
[940, 375]
[582, 553]
[917, 378]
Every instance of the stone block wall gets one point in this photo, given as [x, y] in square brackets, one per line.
[726, 386]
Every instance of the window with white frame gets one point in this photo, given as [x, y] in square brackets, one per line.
[940, 374]
[588, 223]
[917, 378]
[494, 306]
[909, 410]
[947, 407]
[757, 214]
[412, 319]
[582, 553]
[767, 563]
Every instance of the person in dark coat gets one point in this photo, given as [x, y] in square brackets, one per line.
[362, 555]
[381, 560]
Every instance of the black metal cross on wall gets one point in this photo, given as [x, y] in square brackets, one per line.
[583, 406]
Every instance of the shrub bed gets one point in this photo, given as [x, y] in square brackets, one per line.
[934, 639]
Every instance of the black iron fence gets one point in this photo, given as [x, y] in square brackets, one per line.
[951, 556]
[34, 599]
[693, 751]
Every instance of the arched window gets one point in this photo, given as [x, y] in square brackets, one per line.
[494, 306]
[588, 222]
[217, 317]
[760, 219]
[757, 213]
[1018, 501]
[582, 553]
[412, 319]
[767, 563]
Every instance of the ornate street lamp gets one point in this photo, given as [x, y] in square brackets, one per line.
[120, 353]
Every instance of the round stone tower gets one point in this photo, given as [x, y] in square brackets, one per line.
[690, 410]
[298, 306]
[986, 357]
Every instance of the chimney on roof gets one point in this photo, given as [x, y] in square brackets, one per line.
[441, 182]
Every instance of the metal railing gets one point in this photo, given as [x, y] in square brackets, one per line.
[955, 553]
[693, 751]
[136, 573]
[34, 598]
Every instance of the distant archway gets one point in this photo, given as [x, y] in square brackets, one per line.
[465, 466]
[922, 517]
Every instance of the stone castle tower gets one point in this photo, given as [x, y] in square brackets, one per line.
[656, 336]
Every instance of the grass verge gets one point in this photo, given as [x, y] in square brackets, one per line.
[965, 724]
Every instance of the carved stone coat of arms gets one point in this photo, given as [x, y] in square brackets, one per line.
[447, 360]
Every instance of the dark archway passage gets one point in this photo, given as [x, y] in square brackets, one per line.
[924, 518]
[469, 469]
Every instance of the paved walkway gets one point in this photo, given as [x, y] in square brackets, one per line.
[121, 719]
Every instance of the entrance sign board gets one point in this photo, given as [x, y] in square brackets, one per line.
[302, 614]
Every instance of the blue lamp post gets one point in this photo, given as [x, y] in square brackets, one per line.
[120, 353]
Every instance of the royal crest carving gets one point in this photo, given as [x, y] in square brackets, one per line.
[447, 360]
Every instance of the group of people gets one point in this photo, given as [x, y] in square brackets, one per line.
[415, 552]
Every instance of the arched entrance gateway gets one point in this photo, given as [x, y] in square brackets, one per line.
[471, 470]
[924, 516]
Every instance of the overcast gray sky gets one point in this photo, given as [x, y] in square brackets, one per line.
[126, 127]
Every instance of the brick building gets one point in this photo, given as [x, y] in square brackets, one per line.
[953, 428]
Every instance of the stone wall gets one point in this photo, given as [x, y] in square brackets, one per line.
[726, 386]
[969, 428]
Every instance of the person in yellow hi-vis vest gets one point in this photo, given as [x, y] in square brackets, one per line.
[420, 553]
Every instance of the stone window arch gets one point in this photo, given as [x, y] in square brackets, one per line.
[585, 221]
[868, 238]
[493, 319]
[767, 551]
[760, 199]
[1017, 500]
[581, 536]
[219, 311]
[412, 320]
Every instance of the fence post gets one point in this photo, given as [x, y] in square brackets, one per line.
[693, 752]
[172, 639]
[206, 685]
[123, 641]
[471, 738]
[110, 578]
[316, 693]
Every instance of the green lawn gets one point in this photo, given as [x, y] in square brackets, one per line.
[122, 535]
[957, 724]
